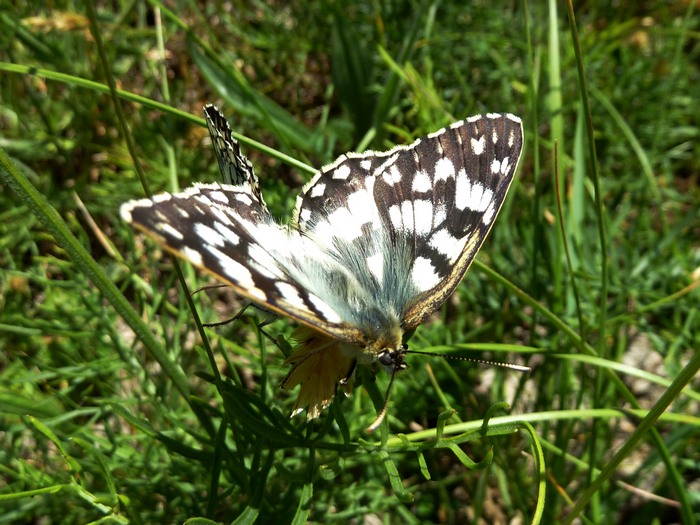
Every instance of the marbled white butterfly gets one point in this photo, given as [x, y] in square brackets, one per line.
[377, 241]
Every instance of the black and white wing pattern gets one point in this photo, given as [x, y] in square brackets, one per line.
[235, 167]
[227, 230]
[376, 244]
[409, 221]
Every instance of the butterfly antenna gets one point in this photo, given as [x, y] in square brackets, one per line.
[385, 407]
[519, 368]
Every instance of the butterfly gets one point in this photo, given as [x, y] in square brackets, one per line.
[376, 244]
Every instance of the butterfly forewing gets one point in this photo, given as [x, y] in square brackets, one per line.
[408, 222]
[225, 231]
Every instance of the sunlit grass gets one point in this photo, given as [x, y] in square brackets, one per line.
[107, 393]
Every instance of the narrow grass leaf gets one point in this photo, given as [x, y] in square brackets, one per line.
[395, 479]
[243, 98]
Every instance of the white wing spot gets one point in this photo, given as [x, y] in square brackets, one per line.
[324, 309]
[342, 172]
[496, 166]
[444, 169]
[474, 118]
[423, 214]
[230, 235]
[447, 245]
[203, 199]
[407, 216]
[344, 226]
[219, 196]
[511, 138]
[486, 198]
[489, 214]
[421, 182]
[221, 215]
[423, 274]
[291, 295]
[472, 195]
[239, 274]
[192, 255]
[323, 231]
[392, 176]
[363, 208]
[257, 293]
[478, 145]
[263, 262]
[168, 229]
[317, 190]
[305, 214]
[243, 198]
[209, 235]
[504, 166]
[366, 165]
[395, 217]
[161, 197]
[375, 263]
[463, 189]
[494, 137]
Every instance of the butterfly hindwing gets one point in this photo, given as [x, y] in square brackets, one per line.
[470, 167]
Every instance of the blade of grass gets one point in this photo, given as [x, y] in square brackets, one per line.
[55, 225]
[600, 213]
[646, 425]
[644, 161]
[154, 104]
[131, 146]
[352, 71]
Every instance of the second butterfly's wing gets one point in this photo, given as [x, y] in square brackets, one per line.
[409, 221]
[235, 167]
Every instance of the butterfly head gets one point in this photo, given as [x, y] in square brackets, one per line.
[393, 360]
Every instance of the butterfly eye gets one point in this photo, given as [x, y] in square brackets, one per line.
[393, 359]
[386, 358]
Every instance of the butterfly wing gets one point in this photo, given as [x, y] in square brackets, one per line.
[409, 221]
[235, 167]
[225, 231]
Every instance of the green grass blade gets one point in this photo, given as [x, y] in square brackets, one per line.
[55, 225]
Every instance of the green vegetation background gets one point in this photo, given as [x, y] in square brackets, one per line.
[115, 409]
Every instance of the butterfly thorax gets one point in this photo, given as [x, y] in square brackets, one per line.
[388, 339]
